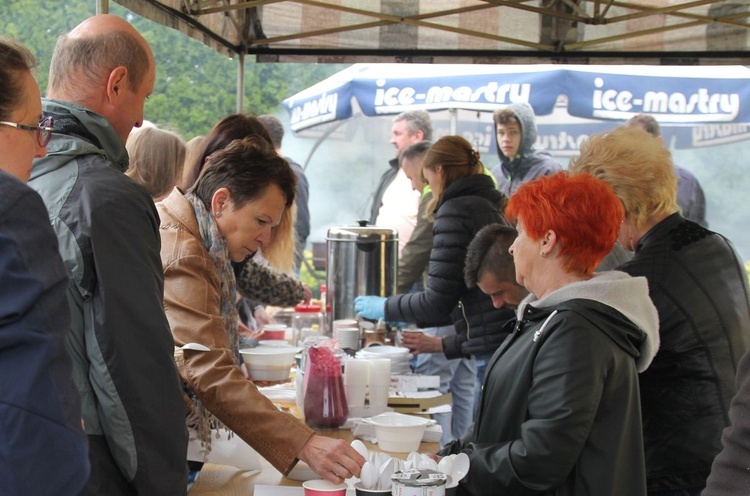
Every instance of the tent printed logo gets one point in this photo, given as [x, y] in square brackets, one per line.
[700, 105]
[719, 134]
[390, 98]
[316, 111]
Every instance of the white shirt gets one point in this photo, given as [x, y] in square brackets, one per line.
[399, 208]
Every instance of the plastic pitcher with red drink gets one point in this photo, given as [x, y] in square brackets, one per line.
[325, 400]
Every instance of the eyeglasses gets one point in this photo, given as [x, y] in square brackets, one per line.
[43, 129]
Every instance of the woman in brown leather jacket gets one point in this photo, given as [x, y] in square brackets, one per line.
[230, 212]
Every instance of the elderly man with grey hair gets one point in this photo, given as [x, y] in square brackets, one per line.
[395, 204]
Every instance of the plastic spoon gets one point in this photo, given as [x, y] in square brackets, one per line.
[384, 479]
[460, 466]
[360, 448]
[368, 477]
[446, 465]
[427, 462]
[412, 461]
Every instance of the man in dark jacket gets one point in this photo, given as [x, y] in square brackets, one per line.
[108, 232]
[516, 133]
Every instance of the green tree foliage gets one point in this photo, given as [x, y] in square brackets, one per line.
[195, 85]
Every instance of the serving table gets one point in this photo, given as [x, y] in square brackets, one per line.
[223, 480]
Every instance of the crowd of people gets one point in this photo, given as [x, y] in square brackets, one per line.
[126, 258]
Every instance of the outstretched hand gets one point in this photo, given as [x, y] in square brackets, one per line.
[332, 459]
[419, 342]
[370, 307]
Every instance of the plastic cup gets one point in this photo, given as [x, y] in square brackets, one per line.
[380, 372]
[355, 395]
[320, 487]
[348, 337]
[361, 491]
[356, 372]
[274, 331]
[378, 396]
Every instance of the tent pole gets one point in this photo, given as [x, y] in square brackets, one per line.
[240, 81]
[453, 121]
[102, 7]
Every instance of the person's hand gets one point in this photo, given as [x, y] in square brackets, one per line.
[370, 307]
[247, 332]
[332, 459]
[419, 342]
[307, 294]
[261, 317]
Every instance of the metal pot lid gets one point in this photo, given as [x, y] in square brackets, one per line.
[362, 232]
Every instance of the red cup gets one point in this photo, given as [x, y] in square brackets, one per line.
[320, 487]
[273, 334]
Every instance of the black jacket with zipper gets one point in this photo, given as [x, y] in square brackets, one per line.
[467, 205]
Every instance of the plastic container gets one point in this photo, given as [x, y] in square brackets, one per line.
[308, 320]
[398, 433]
[268, 363]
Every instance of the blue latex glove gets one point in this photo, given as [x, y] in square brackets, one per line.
[370, 307]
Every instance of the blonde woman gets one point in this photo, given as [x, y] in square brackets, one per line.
[700, 289]
[156, 159]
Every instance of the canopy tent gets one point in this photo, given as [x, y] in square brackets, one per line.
[461, 31]
[696, 106]
[506, 31]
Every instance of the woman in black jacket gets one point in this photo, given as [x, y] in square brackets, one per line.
[465, 200]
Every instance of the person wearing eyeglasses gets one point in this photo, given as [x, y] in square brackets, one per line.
[108, 230]
[43, 446]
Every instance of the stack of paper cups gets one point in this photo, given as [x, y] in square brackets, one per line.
[346, 333]
[379, 383]
[356, 377]
[347, 337]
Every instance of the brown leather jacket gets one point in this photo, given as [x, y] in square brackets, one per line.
[192, 303]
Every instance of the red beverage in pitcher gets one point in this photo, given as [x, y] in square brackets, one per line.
[325, 400]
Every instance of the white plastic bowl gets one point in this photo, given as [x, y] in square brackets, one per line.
[398, 433]
[269, 363]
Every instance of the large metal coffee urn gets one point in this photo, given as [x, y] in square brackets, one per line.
[362, 260]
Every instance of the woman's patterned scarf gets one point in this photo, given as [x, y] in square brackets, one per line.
[217, 249]
[199, 418]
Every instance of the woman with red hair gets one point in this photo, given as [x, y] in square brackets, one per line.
[560, 409]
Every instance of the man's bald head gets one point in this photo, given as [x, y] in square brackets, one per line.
[83, 58]
[92, 62]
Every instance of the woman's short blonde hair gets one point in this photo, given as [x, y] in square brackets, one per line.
[637, 166]
[156, 159]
